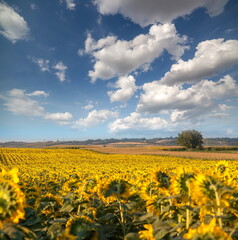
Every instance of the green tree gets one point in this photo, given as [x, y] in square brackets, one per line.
[191, 139]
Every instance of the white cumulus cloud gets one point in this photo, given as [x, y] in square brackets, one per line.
[186, 103]
[38, 94]
[115, 57]
[137, 122]
[42, 63]
[12, 25]
[59, 68]
[153, 11]
[211, 57]
[127, 88]
[88, 106]
[19, 102]
[71, 5]
[61, 71]
[59, 116]
[94, 118]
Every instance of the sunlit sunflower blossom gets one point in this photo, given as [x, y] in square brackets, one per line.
[223, 170]
[116, 188]
[222, 167]
[49, 203]
[162, 178]
[207, 231]
[11, 175]
[180, 184]
[207, 188]
[81, 225]
[148, 233]
[12, 200]
[70, 186]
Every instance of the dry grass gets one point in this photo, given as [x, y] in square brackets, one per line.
[138, 149]
[158, 151]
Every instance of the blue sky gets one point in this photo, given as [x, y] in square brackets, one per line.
[79, 69]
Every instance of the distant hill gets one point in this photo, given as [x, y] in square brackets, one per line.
[155, 141]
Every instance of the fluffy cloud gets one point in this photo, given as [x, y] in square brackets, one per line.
[88, 106]
[20, 103]
[119, 57]
[59, 116]
[211, 57]
[42, 63]
[70, 4]
[137, 122]
[185, 106]
[127, 88]
[12, 25]
[61, 71]
[95, 118]
[153, 11]
[186, 103]
[38, 94]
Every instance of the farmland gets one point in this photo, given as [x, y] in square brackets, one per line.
[84, 194]
[209, 153]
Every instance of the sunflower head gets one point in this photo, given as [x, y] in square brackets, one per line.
[147, 234]
[48, 204]
[80, 226]
[207, 232]
[163, 179]
[11, 175]
[117, 188]
[12, 202]
[180, 183]
[222, 167]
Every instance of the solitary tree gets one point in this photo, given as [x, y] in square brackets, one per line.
[191, 139]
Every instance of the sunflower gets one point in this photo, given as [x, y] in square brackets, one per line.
[222, 167]
[11, 175]
[81, 225]
[207, 231]
[162, 178]
[49, 203]
[180, 183]
[117, 188]
[148, 233]
[12, 200]
[207, 188]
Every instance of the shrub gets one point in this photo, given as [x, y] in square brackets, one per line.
[191, 139]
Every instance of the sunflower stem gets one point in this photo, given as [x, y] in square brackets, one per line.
[187, 218]
[179, 221]
[187, 210]
[219, 212]
[122, 216]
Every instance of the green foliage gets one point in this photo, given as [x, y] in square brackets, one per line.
[191, 139]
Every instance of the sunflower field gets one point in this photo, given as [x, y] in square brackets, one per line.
[83, 195]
